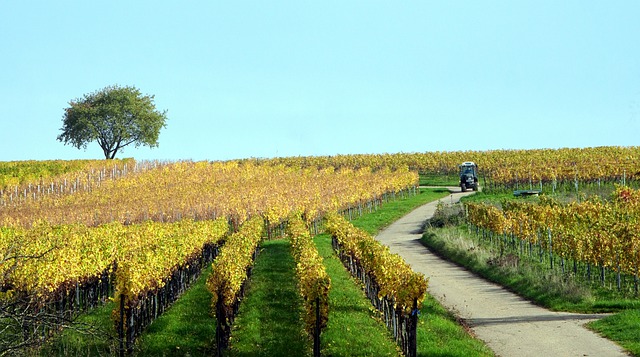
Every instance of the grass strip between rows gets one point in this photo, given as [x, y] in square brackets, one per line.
[624, 328]
[269, 321]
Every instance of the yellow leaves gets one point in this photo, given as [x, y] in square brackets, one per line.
[173, 191]
[394, 276]
[145, 253]
[159, 248]
[313, 281]
[230, 267]
[600, 232]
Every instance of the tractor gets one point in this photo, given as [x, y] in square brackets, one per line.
[468, 176]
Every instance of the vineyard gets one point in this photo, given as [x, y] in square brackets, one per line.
[25, 180]
[142, 236]
[75, 236]
[582, 239]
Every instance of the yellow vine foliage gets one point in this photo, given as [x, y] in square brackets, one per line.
[55, 257]
[499, 166]
[397, 281]
[204, 190]
[52, 257]
[602, 233]
[231, 264]
[313, 281]
[153, 251]
[23, 181]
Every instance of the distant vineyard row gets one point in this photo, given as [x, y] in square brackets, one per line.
[500, 167]
[22, 181]
[204, 190]
[28, 179]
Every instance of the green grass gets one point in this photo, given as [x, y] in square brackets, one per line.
[186, 329]
[394, 210]
[497, 198]
[354, 327]
[439, 334]
[269, 320]
[623, 328]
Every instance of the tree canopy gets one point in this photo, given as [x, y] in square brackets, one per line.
[114, 117]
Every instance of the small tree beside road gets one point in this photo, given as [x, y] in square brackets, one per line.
[114, 117]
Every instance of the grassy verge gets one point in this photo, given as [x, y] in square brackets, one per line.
[186, 329]
[394, 210]
[439, 334]
[536, 284]
[624, 328]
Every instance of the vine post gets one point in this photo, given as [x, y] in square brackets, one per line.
[316, 331]
[222, 327]
[413, 338]
[121, 326]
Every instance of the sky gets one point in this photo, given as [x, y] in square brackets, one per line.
[247, 79]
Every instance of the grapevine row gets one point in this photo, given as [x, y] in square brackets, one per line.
[598, 233]
[313, 281]
[231, 268]
[159, 263]
[390, 284]
[25, 181]
[64, 270]
[17, 173]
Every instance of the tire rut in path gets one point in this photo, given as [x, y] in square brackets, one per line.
[508, 324]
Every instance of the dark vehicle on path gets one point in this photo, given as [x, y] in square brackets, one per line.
[468, 176]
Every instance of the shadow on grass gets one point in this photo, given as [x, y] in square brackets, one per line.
[187, 328]
[92, 335]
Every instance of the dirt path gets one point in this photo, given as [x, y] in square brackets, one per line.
[508, 324]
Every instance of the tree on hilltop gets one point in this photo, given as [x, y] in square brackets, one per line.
[114, 117]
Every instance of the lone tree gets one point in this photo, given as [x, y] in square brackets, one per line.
[115, 117]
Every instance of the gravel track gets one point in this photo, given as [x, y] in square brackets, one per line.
[508, 324]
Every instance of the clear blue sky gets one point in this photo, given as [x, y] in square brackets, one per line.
[271, 78]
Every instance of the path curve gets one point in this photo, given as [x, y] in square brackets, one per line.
[508, 324]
